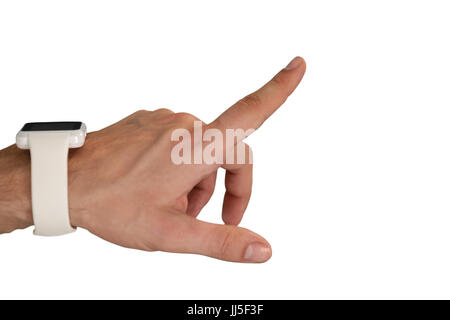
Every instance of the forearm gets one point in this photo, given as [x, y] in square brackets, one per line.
[15, 190]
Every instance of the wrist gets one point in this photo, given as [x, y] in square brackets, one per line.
[77, 190]
[15, 189]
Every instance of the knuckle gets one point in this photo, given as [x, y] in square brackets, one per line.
[243, 192]
[226, 243]
[253, 106]
[136, 119]
[251, 101]
[185, 117]
[279, 80]
[186, 120]
[140, 112]
[163, 110]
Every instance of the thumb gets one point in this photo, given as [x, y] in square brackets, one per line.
[224, 242]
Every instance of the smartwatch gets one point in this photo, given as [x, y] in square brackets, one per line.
[49, 144]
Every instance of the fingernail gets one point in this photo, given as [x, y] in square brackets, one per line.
[257, 252]
[294, 63]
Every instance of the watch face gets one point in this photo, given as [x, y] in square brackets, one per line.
[51, 126]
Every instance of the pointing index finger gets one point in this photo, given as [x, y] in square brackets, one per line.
[251, 111]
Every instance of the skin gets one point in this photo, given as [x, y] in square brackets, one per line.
[124, 188]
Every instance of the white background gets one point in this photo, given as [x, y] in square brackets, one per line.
[352, 177]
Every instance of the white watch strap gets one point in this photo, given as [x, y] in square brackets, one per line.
[49, 152]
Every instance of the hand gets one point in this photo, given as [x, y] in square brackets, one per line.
[124, 188]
